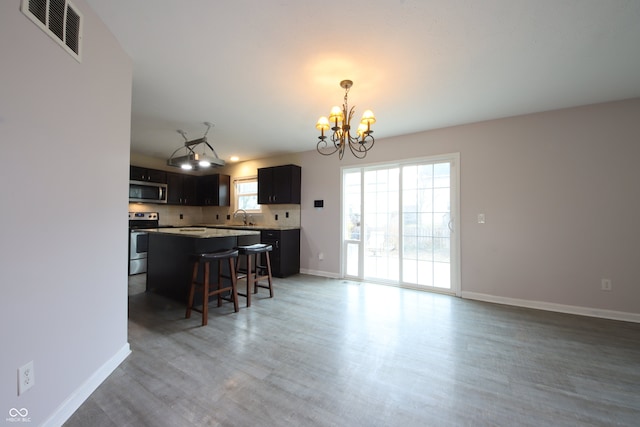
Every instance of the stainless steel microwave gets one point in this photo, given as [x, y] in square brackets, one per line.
[147, 192]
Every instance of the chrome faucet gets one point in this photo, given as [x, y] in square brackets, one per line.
[244, 215]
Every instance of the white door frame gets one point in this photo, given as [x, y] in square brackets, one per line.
[454, 160]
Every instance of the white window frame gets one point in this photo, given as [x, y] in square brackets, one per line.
[454, 160]
[237, 194]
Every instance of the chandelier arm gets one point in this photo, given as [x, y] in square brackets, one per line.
[326, 147]
[357, 153]
[360, 147]
[335, 138]
[367, 142]
[337, 143]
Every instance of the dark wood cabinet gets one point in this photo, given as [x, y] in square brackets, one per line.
[279, 185]
[181, 189]
[190, 190]
[285, 256]
[214, 190]
[137, 173]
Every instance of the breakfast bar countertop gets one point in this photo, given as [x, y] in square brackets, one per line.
[241, 227]
[203, 232]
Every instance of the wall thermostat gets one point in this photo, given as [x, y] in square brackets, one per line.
[318, 203]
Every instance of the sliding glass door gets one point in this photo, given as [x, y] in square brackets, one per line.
[399, 223]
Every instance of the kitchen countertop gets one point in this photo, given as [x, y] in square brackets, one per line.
[241, 227]
[202, 232]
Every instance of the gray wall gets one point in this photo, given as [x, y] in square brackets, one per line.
[560, 193]
[64, 132]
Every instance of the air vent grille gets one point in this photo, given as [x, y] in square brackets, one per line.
[56, 18]
[60, 19]
[72, 35]
[39, 10]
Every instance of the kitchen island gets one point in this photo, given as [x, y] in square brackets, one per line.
[168, 267]
[285, 240]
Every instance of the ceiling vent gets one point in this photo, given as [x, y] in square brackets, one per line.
[60, 19]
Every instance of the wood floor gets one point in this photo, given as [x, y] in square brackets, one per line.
[328, 352]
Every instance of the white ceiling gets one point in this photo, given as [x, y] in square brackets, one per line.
[263, 70]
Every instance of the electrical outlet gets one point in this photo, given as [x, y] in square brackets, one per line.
[605, 285]
[481, 218]
[26, 377]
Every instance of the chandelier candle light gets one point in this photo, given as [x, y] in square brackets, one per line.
[360, 143]
[192, 159]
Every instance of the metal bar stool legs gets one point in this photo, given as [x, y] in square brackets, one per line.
[205, 260]
[255, 271]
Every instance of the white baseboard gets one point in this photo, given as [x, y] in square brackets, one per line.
[77, 398]
[539, 305]
[560, 308]
[320, 273]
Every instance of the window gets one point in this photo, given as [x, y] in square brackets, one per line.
[246, 194]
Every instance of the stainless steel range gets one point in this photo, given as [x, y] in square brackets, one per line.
[139, 239]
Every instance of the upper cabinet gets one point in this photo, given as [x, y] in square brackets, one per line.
[214, 190]
[279, 185]
[137, 173]
[181, 189]
[190, 190]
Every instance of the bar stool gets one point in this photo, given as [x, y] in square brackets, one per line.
[205, 259]
[256, 272]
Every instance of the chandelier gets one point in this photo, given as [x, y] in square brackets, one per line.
[359, 144]
[192, 159]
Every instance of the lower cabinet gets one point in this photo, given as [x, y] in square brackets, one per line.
[285, 256]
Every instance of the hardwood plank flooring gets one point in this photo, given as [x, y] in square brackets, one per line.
[326, 352]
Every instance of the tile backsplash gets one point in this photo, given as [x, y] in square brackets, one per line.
[287, 215]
